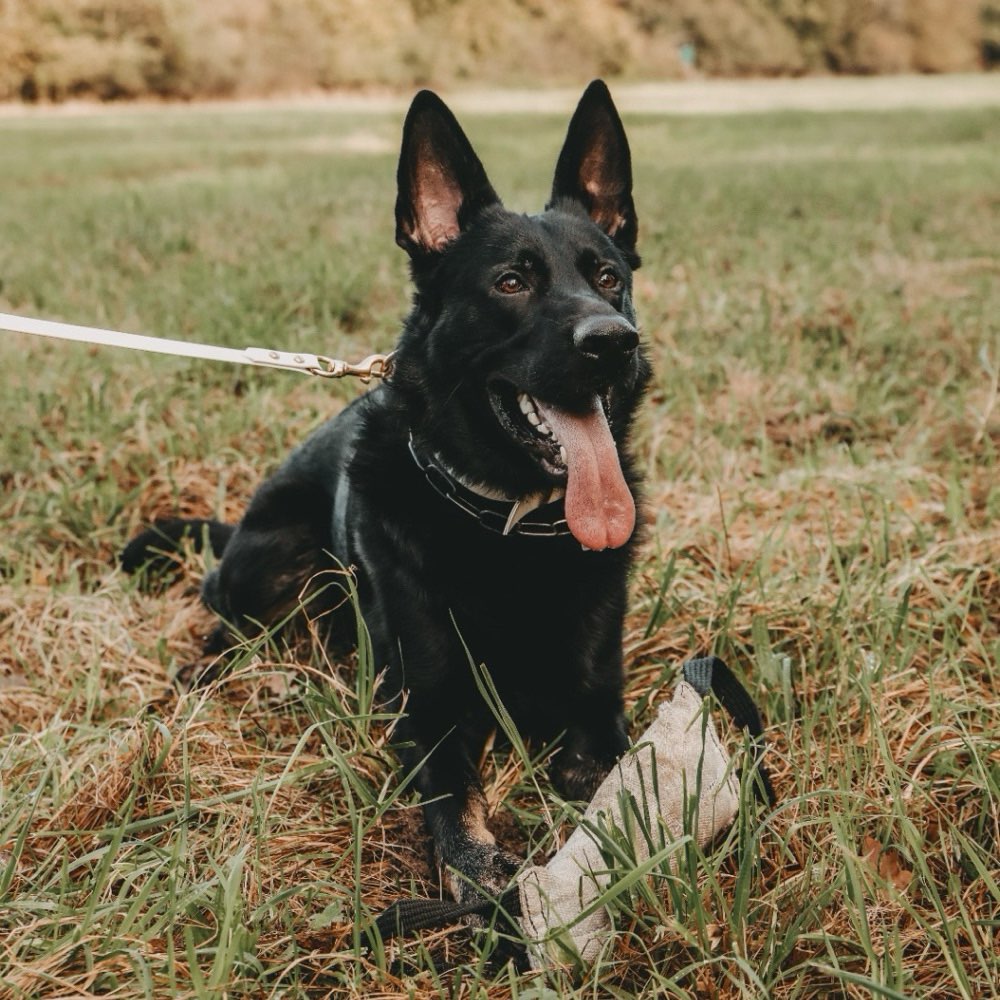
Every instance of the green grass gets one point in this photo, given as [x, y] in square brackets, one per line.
[820, 298]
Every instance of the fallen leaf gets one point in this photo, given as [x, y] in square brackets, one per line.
[887, 863]
[890, 867]
[871, 852]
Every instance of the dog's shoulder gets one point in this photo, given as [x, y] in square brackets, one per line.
[373, 419]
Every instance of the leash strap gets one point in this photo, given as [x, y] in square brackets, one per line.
[374, 366]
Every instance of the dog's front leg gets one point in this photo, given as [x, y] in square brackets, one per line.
[443, 731]
[597, 733]
[455, 811]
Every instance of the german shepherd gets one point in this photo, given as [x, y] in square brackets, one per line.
[484, 493]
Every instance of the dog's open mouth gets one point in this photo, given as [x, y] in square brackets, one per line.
[576, 448]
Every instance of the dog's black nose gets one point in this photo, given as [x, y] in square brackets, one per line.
[605, 339]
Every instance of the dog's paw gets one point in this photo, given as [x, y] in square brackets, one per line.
[577, 779]
[482, 871]
[213, 664]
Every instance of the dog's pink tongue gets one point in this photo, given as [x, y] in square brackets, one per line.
[600, 510]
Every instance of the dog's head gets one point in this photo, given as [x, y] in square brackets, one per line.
[522, 355]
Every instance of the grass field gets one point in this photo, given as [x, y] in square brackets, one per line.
[820, 297]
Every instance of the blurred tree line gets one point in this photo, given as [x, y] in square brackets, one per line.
[54, 49]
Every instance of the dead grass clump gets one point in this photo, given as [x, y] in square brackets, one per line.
[99, 799]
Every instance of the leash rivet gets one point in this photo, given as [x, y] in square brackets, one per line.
[273, 354]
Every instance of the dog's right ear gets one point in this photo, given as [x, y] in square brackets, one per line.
[441, 183]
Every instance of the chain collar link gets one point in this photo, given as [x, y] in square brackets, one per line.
[491, 514]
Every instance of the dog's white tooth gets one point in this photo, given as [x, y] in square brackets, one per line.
[533, 418]
[543, 428]
[563, 455]
[524, 401]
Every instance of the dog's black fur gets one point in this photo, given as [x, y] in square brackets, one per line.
[505, 304]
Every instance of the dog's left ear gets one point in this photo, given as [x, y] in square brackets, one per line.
[595, 167]
[441, 182]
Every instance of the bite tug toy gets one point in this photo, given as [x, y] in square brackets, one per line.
[676, 779]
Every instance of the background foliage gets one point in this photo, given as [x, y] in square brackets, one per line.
[55, 49]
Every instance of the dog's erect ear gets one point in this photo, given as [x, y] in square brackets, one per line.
[441, 183]
[595, 167]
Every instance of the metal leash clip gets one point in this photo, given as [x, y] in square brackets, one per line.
[374, 366]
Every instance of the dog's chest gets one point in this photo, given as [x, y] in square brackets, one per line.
[527, 607]
[542, 614]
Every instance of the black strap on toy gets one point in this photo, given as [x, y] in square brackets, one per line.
[407, 915]
[705, 674]
[709, 673]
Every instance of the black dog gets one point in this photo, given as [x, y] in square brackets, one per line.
[484, 493]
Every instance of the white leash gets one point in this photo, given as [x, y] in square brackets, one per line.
[374, 366]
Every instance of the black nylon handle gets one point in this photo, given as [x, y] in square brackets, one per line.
[710, 673]
[407, 915]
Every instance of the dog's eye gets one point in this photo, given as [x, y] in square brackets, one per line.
[607, 278]
[510, 284]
